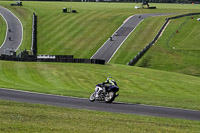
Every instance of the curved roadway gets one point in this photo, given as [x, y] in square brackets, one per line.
[14, 33]
[110, 47]
[78, 103]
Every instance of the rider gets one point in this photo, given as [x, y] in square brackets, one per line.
[109, 82]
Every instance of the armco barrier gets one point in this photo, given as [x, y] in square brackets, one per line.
[34, 36]
[74, 60]
[67, 59]
[143, 51]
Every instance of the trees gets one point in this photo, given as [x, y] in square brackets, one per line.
[168, 1]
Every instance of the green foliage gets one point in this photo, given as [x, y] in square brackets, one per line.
[18, 117]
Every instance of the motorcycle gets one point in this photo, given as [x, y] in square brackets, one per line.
[101, 94]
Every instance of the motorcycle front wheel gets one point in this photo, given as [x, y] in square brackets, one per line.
[92, 97]
[110, 97]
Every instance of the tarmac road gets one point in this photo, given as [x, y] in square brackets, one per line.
[78, 103]
[110, 47]
[14, 34]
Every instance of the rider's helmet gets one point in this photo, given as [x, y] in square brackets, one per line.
[109, 78]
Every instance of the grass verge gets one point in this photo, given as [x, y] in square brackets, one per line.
[137, 85]
[3, 28]
[21, 117]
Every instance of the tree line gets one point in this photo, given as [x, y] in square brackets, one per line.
[170, 1]
[137, 1]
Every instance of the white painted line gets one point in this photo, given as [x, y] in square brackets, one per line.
[21, 27]
[124, 40]
[6, 31]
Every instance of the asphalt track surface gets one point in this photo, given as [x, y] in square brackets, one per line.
[79, 103]
[14, 33]
[110, 47]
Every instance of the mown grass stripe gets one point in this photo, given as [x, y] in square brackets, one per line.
[70, 32]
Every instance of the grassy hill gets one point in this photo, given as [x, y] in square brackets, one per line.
[176, 52]
[3, 29]
[137, 85]
[173, 52]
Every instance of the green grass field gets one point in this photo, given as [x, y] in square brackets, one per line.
[137, 85]
[18, 117]
[3, 29]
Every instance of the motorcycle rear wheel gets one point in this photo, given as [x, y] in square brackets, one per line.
[92, 97]
[110, 98]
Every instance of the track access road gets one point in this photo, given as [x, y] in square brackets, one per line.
[110, 47]
[14, 35]
[79, 103]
